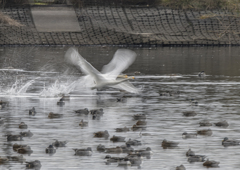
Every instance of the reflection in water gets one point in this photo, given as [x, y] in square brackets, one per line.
[151, 61]
[169, 71]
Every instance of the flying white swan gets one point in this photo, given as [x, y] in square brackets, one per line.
[122, 59]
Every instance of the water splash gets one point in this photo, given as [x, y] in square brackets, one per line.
[24, 88]
[57, 89]
[17, 88]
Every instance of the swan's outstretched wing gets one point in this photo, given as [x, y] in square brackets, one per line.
[73, 57]
[122, 59]
[127, 86]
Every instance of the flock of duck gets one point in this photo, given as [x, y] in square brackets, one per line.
[25, 149]
[134, 157]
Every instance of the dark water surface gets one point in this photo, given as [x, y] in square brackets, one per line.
[26, 71]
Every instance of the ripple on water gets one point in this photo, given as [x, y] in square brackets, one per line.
[217, 98]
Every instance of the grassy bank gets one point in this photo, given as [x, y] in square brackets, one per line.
[232, 5]
[6, 20]
[7, 3]
[202, 4]
[175, 4]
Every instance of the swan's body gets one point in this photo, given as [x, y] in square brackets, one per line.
[109, 77]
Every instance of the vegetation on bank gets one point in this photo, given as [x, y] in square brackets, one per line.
[202, 4]
[6, 3]
[6, 20]
[175, 4]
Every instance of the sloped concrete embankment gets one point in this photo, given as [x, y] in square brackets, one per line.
[100, 25]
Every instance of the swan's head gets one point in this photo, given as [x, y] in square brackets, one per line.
[125, 77]
[130, 78]
[122, 76]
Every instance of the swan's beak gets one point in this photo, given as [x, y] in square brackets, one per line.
[133, 77]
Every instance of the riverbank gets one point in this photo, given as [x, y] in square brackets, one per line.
[148, 26]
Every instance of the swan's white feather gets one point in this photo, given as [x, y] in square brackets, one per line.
[73, 57]
[122, 60]
[127, 86]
